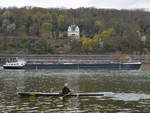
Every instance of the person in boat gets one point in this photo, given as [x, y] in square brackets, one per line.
[66, 90]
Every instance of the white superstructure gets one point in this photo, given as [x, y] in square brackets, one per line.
[18, 63]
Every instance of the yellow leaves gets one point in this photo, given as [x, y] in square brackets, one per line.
[92, 44]
[97, 36]
[98, 23]
[88, 45]
[95, 42]
[108, 33]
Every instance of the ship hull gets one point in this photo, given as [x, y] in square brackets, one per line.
[112, 66]
[13, 67]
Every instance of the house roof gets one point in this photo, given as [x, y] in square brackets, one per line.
[73, 27]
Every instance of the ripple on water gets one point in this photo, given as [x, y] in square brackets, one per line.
[107, 82]
[124, 96]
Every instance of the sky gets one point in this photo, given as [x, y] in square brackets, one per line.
[115, 4]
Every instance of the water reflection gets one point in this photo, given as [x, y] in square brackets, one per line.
[125, 91]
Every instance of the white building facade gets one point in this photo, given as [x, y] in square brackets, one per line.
[74, 31]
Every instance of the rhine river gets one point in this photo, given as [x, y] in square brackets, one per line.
[124, 91]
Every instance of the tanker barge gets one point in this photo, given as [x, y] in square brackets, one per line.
[22, 64]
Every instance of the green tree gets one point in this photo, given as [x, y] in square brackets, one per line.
[47, 27]
[49, 16]
[11, 16]
[61, 20]
[37, 17]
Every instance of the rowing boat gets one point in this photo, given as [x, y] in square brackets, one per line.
[57, 94]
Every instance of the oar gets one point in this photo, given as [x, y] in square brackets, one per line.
[65, 95]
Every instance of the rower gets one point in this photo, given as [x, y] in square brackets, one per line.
[66, 90]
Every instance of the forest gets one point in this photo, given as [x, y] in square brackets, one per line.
[34, 30]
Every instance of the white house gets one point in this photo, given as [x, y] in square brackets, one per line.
[73, 31]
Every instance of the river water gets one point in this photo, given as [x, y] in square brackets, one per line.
[124, 91]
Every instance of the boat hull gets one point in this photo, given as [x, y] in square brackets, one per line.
[36, 94]
[112, 66]
[13, 67]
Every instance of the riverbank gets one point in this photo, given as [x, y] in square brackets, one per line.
[145, 66]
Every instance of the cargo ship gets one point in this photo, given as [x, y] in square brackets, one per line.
[22, 64]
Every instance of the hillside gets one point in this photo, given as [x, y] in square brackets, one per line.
[44, 31]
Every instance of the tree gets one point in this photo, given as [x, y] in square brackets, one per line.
[47, 27]
[106, 30]
[48, 17]
[89, 45]
[37, 18]
[61, 20]
[27, 21]
[108, 33]
[11, 16]
[55, 29]
[98, 26]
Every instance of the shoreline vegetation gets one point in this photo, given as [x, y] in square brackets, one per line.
[32, 30]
